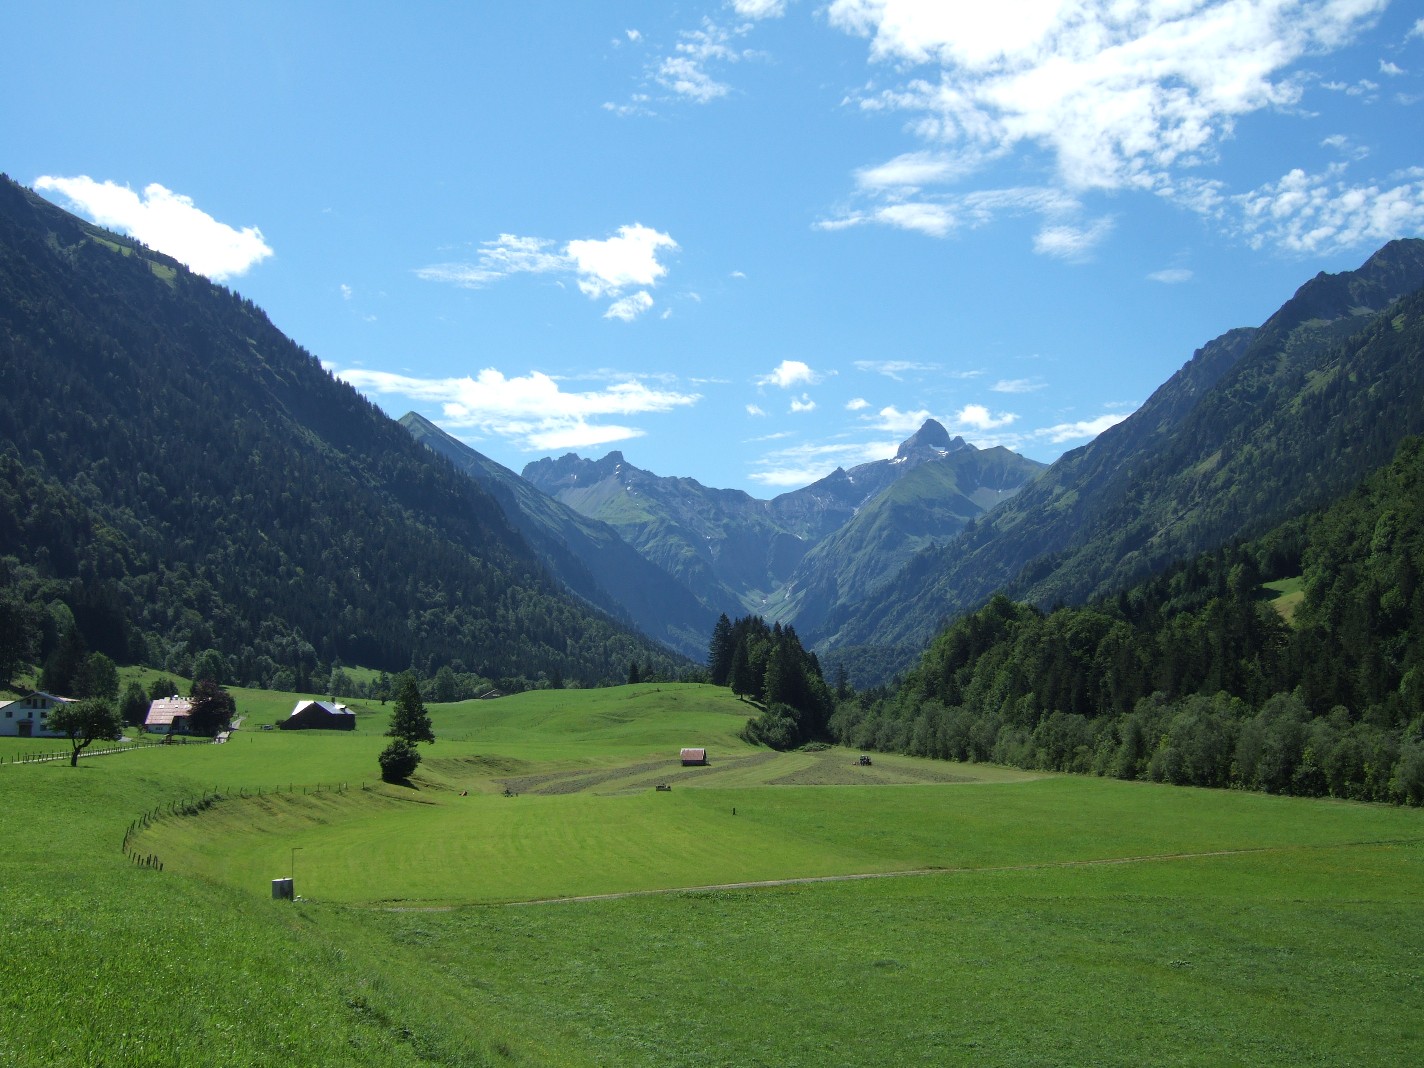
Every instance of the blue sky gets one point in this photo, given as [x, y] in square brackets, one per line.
[744, 241]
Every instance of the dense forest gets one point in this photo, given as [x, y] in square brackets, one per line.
[768, 666]
[1196, 677]
[178, 476]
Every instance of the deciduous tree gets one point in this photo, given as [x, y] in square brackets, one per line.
[83, 722]
[213, 708]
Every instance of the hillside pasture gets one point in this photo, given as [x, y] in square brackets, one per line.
[935, 913]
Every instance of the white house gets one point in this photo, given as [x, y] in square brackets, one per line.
[26, 717]
[168, 715]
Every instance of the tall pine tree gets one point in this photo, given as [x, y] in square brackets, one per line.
[409, 720]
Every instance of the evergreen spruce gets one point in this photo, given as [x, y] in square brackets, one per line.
[409, 720]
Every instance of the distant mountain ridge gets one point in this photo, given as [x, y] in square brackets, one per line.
[1260, 424]
[587, 556]
[738, 553]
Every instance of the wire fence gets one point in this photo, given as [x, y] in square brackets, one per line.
[47, 755]
[197, 805]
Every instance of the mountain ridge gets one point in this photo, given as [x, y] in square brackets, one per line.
[587, 556]
[179, 475]
[1230, 443]
[739, 553]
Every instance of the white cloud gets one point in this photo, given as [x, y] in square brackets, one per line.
[1119, 93]
[935, 220]
[804, 403]
[759, 9]
[346, 292]
[603, 269]
[790, 373]
[978, 417]
[1416, 31]
[891, 420]
[634, 36]
[166, 221]
[800, 465]
[947, 212]
[630, 307]
[532, 410]
[1018, 385]
[686, 73]
[1085, 428]
[1071, 242]
[909, 171]
[857, 404]
[755, 409]
[629, 259]
[1171, 276]
[893, 369]
[506, 255]
[1322, 212]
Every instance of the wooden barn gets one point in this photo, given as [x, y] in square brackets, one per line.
[319, 716]
[692, 758]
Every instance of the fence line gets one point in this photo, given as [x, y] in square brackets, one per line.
[207, 800]
[62, 754]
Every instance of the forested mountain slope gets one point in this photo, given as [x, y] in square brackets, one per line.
[183, 476]
[1195, 677]
[1261, 424]
[587, 556]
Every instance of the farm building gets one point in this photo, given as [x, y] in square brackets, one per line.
[25, 716]
[694, 757]
[319, 716]
[168, 715]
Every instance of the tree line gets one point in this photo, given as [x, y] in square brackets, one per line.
[1195, 677]
[768, 666]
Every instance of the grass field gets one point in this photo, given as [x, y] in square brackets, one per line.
[1036, 919]
[1286, 596]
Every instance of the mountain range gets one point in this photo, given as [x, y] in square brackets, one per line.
[795, 556]
[1261, 424]
[176, 476]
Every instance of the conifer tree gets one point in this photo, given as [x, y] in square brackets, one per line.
[409, 720]
[719, 652]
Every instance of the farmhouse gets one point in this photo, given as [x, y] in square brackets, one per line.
[694, 757]
[319, 716]
[168, 715]
[25, 716]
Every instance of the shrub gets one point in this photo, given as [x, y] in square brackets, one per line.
[398, 761]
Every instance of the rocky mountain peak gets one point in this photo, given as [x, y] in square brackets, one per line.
[931, 435]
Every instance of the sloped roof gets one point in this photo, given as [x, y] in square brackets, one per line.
[165, 710]
[329, 707]
[40, 693]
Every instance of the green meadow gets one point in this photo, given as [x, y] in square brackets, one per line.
[531, 897]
